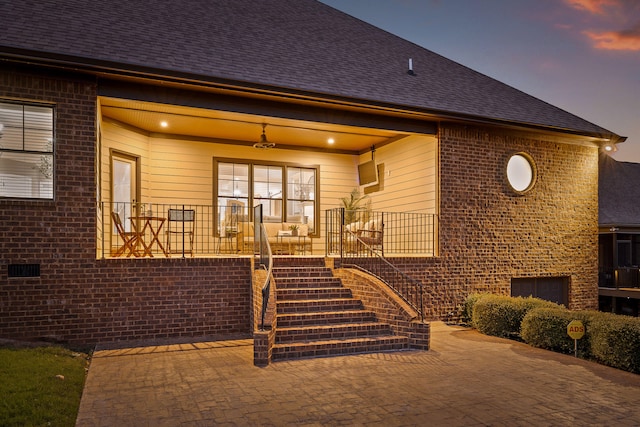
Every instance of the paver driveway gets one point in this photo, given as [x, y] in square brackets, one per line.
[466, 379]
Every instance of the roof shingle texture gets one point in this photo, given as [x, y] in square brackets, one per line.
[291, 44]
[618, 192]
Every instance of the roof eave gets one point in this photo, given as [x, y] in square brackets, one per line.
[615, 227]
[134, 71]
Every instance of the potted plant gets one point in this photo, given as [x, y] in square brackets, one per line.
[294, 229]
[356, 207]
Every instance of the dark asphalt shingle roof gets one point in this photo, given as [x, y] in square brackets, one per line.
[618, 192]
[300, 45]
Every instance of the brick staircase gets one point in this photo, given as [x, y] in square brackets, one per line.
[317, 316]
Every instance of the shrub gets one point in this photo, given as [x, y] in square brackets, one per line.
[502, 316]
[615, 341]
[467, 307]
[547, 328]
[611, 339]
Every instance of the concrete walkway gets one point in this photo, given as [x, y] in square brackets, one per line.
[467, 379]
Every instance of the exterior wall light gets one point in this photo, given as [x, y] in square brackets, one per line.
[521, 173]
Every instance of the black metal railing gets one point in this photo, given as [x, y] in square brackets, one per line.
[389, 233]
[265, 260]
[265, 253]
[362, 238]
[172, 230]
[621, 277]
[373, 262]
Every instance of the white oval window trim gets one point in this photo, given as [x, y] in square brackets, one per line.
[521, 172]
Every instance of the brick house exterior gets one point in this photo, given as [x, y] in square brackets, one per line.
[488, 235]
[80, 299]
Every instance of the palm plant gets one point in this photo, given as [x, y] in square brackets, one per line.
[357, 206]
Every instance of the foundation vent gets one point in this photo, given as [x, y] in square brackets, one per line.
[24, 270]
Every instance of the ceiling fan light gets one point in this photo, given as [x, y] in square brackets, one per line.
[264, 143]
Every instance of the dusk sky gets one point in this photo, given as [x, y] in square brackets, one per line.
[579, 55]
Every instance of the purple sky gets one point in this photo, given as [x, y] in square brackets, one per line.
[580, 55]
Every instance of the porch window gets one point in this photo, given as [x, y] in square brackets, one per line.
[301, 191]
[287, 193]
[268, 191]
[233, 196]
[26, 151]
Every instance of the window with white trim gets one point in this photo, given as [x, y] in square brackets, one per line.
[26, 151]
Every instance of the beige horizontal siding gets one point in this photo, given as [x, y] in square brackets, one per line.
[180, 171]
[409, 181]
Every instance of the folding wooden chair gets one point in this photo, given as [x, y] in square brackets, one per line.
[129, 238]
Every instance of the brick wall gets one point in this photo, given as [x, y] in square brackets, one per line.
[130, 299]
[489, 234]
[388, 307]
[79, 299]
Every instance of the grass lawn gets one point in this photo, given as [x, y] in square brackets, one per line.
[40, 386]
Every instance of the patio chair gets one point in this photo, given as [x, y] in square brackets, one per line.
[373, 235]
[130, 239]
[181, 222]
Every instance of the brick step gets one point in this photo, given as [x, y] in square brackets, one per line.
[313, 293]
[331, 332]
[279, 272]
[283, 261]
[339, 347]
[324, 318]
[314, 306]
[308, 282]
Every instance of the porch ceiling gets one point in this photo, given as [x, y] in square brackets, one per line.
[241, 128]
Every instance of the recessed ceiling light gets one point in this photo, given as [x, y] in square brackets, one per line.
[164, 124]
[331, 141]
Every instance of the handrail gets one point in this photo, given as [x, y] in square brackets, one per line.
[408, 288]
[266, 288]
[619, 277]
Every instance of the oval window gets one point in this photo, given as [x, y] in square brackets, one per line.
[521, 172]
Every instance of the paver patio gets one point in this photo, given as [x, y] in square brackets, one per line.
[466, 379]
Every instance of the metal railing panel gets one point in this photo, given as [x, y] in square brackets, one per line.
[403, 233]
[360, 247]
[205, 231]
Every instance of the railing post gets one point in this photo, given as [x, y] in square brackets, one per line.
[382, 222]
[422, 301]
[183, 242]
[104, 225]
[341, 234]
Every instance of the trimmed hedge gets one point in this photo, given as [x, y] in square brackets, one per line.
[611, 339]
[467, 307]
[547, 328]
[616, 341]
[501, 315]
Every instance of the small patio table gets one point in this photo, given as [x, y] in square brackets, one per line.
[295, 244]
[154, 224]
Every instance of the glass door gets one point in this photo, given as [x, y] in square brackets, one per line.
[124, 188]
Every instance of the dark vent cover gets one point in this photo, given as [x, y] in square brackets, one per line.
[24, 270]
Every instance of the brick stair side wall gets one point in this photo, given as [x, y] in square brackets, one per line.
[389, 308]
[263, 340]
